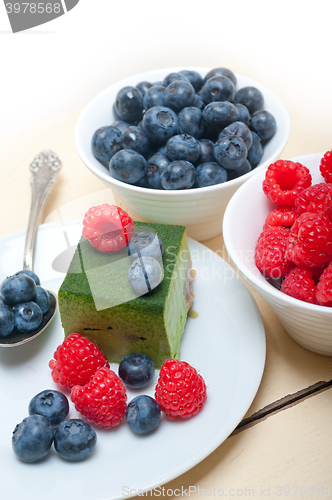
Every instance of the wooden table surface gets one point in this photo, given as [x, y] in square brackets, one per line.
[283, 447]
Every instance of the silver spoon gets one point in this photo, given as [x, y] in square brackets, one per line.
[44, 172]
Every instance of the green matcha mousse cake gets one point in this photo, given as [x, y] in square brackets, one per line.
[96, 300]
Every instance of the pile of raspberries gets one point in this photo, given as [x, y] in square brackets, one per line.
[295, 246]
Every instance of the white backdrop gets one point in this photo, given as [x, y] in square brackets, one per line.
[60, 66]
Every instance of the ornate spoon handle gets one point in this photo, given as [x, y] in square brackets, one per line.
[44, 172]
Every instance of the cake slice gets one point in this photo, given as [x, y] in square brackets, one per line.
[96, 301]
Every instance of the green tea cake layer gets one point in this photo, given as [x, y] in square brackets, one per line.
[96, 301]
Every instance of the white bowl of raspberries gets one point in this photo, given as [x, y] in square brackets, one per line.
[278, 232]
[175, 144]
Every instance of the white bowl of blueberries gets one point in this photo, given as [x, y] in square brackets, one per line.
[175, 144]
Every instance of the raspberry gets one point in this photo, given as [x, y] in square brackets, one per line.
[281, 216]
[328, 205]
[180, 390]
[270, 252]
[284, 180]
[313, 198]
[103, 400]
[324, 287]
[107, 227]
[75, 361]
[299, 283]
[317, 272]
[310, 241]
[325, 166]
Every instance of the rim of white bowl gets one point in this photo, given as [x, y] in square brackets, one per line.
[167, 193]
[265, 286]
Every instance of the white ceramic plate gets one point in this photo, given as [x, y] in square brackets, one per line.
[226, 343]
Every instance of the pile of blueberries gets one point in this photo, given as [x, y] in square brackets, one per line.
[74, 439]
[23, 302]
[143, 412]
[145, 250]
[185, 132]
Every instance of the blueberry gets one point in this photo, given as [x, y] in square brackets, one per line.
[178, 175]
[162, 150]
[129, 104]
[174, 77]
[143, 87]
[136, 370]
[194, 78]
[218, 88]
[7, 322]
[42, 298]
[143, 182]
[155, 96]
[128, 166]
[160, 123]
[207, 151]
[238, 172]
[31, 274]
[159, 82]
[146, 244]
[133, 138]
[120, 125]
[115, 113]
[144, 275]
[240, 129]
[140, 126]
[208, 174]
[75, 439]
[106, 141]
[251, 97]
[264, 124]
[244, 115]
[217, 115]
[198, 102]
[183, 147]
[143, 414]
[230, 151]
[17, 289]
[156, 165]
[179, 95]
[51, 404]
[27, 316]
[32, 438]
[255, 153]
[221, 72]
[190, 121]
